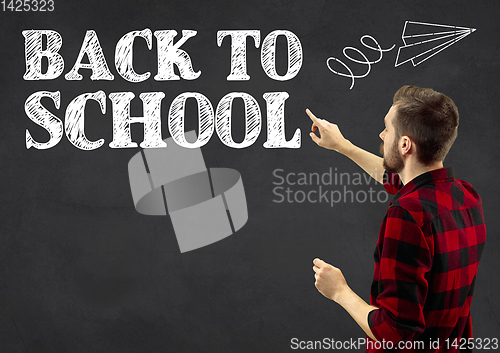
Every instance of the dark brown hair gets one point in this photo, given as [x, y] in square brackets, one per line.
[429, 118]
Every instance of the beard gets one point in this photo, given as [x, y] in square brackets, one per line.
[393, 161]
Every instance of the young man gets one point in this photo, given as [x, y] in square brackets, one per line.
[431, 238]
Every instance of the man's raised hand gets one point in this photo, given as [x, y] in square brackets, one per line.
[330, 136]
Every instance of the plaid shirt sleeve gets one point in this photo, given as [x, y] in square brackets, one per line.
[402, 292]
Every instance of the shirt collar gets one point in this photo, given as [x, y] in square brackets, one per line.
[428, 177]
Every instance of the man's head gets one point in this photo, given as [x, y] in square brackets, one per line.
[423, 119]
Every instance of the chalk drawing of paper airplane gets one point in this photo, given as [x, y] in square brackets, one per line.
[424, 40]
[205, 204]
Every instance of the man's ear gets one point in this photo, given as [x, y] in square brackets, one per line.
[406, 144]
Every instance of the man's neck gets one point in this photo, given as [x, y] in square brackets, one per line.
[413, 170]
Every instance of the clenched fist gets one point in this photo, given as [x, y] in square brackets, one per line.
[329, 280]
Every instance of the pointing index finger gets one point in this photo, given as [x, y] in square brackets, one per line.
[318, 262]
[312, 116]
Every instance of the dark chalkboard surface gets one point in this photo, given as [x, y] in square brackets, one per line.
[82, 271]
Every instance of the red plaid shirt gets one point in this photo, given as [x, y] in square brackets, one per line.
[426, 261]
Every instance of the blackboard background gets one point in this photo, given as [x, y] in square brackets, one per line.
[82, 271]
